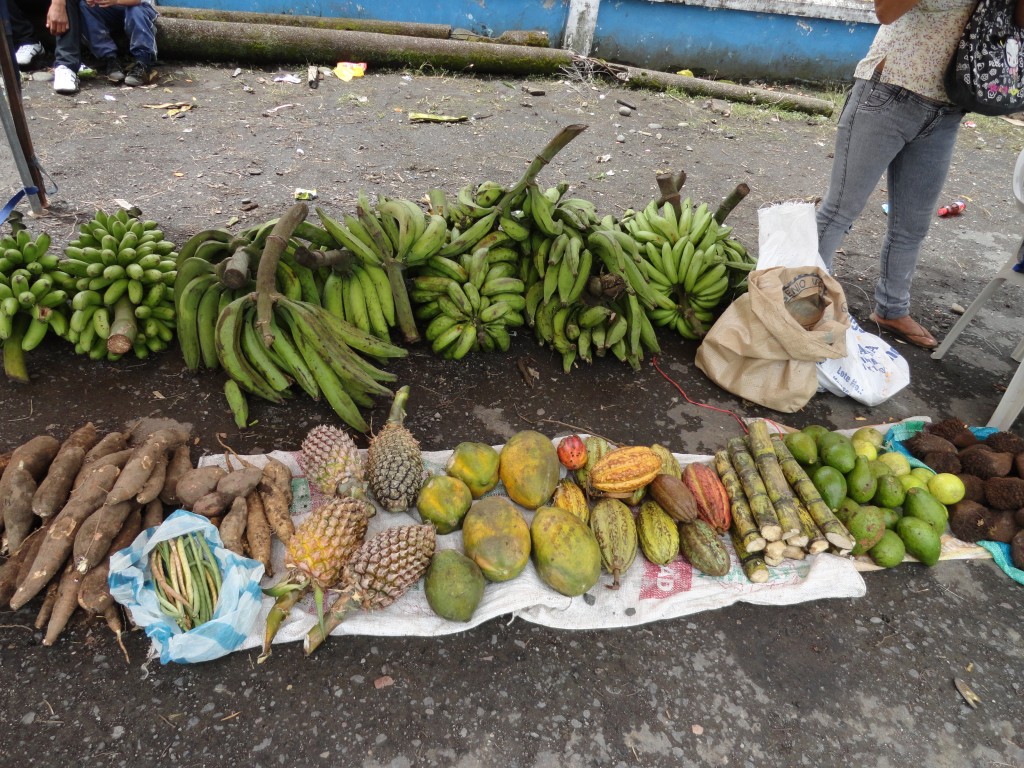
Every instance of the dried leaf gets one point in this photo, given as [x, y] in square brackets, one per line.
[423, 117]
[969, 696]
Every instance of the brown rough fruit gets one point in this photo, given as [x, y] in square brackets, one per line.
[923, 443]
[968, 520]
[625, 470]
[1018, 465]
[986, 464]
[965, 440]
[1004, 442]
[947, 429]
[941, 461]
[1002, 527]
[1017, 550]
[1019, 517]
[1004, 493]
[673, 496]
[974, 487]
[710, 494]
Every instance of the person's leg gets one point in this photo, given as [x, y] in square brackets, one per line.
[68, 52]
[23, 37]
[867, 139]
[140, 26]
[915, 181]
[97, 23]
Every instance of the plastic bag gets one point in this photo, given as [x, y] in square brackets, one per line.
[236, 611]
[871, 372]
[787, 236]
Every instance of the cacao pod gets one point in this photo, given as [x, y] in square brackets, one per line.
[572, 452]
[571, 498]
[710, 494]
[658, 533]
[675, 498]
[702, 547]
[597, 448]
[625, 470]
[669, 464]
[613, 526]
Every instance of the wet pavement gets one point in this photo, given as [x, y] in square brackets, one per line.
[865, 682]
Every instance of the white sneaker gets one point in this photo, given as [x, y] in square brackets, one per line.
[26, 53]
[65, 80]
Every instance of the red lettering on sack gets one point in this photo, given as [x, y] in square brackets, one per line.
[660, 581]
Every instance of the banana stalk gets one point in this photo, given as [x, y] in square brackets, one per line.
[545, 156]
[266, 279]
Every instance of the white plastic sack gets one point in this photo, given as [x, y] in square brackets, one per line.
[872, 371]
[237, 608]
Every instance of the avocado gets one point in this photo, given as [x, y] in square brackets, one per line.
[889, 492]
[889, 550]
[920, 539]
[860, 483]
[847, 508]
[922, 505]
[867, 527]
[836, 450]
[830, 484]
[803, 447]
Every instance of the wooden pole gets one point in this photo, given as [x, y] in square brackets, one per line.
[12, 112]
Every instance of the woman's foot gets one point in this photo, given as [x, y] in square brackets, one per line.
[907, 329]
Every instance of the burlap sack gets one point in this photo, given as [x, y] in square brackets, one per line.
[765, 346]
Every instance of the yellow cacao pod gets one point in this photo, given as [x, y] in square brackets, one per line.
[658, 533]
[625, 470]
[669, 464]
[571, 498]
[613, 525]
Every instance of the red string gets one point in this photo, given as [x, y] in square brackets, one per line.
[670, 380]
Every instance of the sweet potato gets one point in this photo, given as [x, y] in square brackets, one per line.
[90, 549]
[241, 482]
[18, 563]
[232, 527]
[257, 531]
[196, 483]
[94, 593]
[61, 533]
[213, 504]
[178, 464]
[276, 492]
[155, 483]
[64, 605]
[140, 466]
[53, 492]
[31, 459]
[153, 514]
[114, 442]
[17, 505]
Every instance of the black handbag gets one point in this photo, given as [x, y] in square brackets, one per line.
[986, 73]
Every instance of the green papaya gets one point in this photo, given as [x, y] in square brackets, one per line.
[565, 551]
[453, 585]
[496, 537]
[529, 468]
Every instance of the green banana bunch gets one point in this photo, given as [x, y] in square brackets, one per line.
[122, 297]
[690, 261]
[469, 304]
[33, 298]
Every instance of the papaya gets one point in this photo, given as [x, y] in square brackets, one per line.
[444, 500]
[496, 537]
[529, 468]
[475, 464]
[565, 551]
[453, 585]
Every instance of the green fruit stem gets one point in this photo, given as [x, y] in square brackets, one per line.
[344, 605]
[397, 413]
[546, 155]
[266, 275]
[14, 356]
[123, 328]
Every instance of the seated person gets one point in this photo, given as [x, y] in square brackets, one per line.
[63, 20]
[27, 45]
[102, 19]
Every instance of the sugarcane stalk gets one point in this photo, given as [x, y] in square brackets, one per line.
[745, 529]
[816, 541]
[772, 561]
[345, 604]
[823, 517]
[774, 549]
[753, 488]
[266, 274]
[793, 553]
[779, 492]
[752, 562]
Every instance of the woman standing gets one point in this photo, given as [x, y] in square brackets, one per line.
[898, 121]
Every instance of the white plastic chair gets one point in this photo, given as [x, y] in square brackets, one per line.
[1012, 401]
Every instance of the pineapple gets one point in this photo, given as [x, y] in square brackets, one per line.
[379, 573]
[316, 556]
[330, 458]
[394, 462]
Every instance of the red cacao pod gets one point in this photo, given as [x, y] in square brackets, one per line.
[710, 494]
[572, 452]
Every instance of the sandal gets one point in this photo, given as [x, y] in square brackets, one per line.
[912, 331]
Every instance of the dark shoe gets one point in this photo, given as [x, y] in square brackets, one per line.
[111, 70]
[139, 74]
[906, 329]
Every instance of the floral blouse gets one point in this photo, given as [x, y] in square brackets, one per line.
[917, 47]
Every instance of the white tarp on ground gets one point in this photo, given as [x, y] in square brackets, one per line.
[648, 592]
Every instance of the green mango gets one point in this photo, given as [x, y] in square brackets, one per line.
[861, 484]
[922, 505]
[830, 484]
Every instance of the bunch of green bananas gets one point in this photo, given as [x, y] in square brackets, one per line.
[691, 260]
[324, 355]
[123, 298]
[470, 302]
[33, 295]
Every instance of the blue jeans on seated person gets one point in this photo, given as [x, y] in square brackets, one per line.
[138, 22]
[885, 129]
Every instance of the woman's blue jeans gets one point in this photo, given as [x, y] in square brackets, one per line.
[888, 129]
[138, 22]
